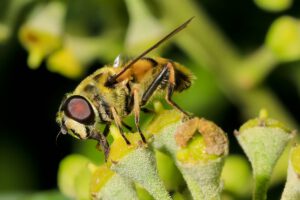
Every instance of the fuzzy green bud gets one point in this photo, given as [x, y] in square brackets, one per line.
[198, 147]
[70, 169]
[292, 187]
[236, 175]
[107, 185]
[274, 5]
[263, 140]
[139, 166]
[283, 38]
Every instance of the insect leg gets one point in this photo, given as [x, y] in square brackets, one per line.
[170, 88]
[136, 110]
[118, 123]
[126, 126]
[102, 142]
[154, 85]
[106, 130]
[146, 110]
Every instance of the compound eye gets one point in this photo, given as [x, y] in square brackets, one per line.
[79, 109]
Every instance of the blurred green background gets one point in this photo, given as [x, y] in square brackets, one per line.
[245, 55]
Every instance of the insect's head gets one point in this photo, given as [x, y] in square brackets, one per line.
[77, 117]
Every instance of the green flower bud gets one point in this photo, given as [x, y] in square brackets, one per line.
[139, 166]
[107, 185]
[236, 175]
[274, 5]
[283, 38]
[205, 146]
[263, 140]
[292, 186]
[198, 146]
[70, 168]
[136, 163]
[82, 184]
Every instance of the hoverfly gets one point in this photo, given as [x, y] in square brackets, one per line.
[113, 92]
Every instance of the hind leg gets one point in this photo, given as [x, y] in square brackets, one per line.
[170, 89]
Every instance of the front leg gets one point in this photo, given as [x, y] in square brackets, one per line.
[102, 144]
[136, 110]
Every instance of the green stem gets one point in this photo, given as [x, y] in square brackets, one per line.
[203, 180]
[251, 70]
[260, 186]
[193, 186]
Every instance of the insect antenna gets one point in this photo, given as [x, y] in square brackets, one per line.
[57, 136]
[112, 79]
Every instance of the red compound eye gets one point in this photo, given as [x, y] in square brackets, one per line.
[79, 109]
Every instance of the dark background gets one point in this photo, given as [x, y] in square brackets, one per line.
[30, 98]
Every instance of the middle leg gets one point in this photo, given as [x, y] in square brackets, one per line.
[136, 110]
[118, 123]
